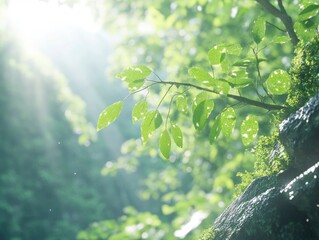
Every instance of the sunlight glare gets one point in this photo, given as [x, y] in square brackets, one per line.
[194, 222]
[35, 21]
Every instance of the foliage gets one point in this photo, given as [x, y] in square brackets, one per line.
[304, 74]
[208, 234]
[243, 71]
[50, 184]
[271, 158]
[207, 71]
[130, 226]
[203, 88]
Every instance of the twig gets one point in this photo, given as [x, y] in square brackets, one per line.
[259, 75]
[140, 90]
[263, 105]
[283, 16]
[273, 25]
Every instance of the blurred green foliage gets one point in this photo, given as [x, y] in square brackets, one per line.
[205, 41]
[51, 187]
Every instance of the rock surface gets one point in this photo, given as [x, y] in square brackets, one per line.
[286, 206]
[300, 134]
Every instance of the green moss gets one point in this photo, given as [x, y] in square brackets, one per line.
[270, 155]
[208, 234]
[271, 158]
[304, 76]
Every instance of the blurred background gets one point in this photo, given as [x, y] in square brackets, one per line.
[59, 178]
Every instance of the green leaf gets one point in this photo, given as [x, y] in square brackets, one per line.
[199, 98]
[305, 30]
[177, 135]
[233, 49]
[200, 74]
[215, 131]
[201, 113]
[228, 119]
[281, 39]
[165, 144]
[308, 12]
[109, 115]
[278, 82]
[139, 111]
[134, 73]
[249, 129]
[181, 103]
[215, 54]
[239, 82]
[135, 76]
[151, 122]
[259, 29]
[221, 87]
[135, 85]
[218, 53]
[239, 73]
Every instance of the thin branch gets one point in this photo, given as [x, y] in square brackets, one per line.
[169, 108]
[259, 75]
[273, 25]
[159, 78]
[160, 102]
[281, 6]
[140, 90]
[283, 16]
[256, 82]
[263, 105]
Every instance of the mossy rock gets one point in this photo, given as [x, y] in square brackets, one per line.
[272, 209]
[284, 206]
[304, 75]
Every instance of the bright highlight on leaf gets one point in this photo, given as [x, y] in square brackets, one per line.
[165, 144]
[281, 39]
[134, 73]
[202, 96]
[200, 75]
[249, 129]
[201, 113]
[109, 115]
[135, 76]
[215, 131]
[234, 49]
[310, 11]
[177, 135]
[139, 111]
[151, 122]
[221, 87]
[228, 119]
[259, 29]
[278, 82]
[215, 54]
[181, 103]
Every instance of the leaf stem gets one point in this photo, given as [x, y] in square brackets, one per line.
[160, 102]
[140, 90]
[278, 28]
[169, 109]
[259, 75]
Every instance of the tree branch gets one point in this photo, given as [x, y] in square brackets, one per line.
[269, 107]
[283, 16]
[281, 6]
